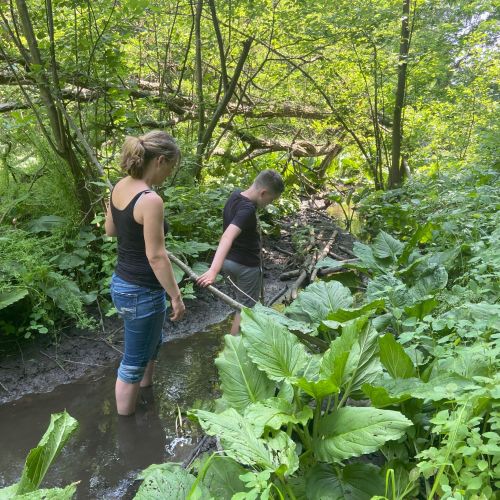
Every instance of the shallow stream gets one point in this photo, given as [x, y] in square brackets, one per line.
[107, 452]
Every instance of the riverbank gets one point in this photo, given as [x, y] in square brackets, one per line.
[45, 364]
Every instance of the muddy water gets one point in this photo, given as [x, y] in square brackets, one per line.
[107, 451]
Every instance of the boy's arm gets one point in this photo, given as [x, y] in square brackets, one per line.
[226, 241]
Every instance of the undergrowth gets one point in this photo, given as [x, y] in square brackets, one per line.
[405, 373]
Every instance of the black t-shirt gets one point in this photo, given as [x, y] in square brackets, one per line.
[241, 212]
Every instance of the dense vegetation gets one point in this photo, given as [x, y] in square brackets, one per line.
[388, 109]
[420, 344]
[241, 90]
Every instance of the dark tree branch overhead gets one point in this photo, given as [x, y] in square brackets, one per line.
[257, 147]
[220, 45]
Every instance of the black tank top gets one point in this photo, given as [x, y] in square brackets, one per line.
[133, 265]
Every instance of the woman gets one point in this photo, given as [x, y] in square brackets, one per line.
[143, 271]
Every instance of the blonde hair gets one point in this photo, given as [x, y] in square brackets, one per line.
[138, 151]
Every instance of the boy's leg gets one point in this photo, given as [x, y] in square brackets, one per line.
[235, 325]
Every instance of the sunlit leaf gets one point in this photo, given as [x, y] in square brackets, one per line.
[351, 432]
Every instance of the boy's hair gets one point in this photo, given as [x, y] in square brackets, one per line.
[270, 179]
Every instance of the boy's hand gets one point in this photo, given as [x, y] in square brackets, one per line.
[207, 278]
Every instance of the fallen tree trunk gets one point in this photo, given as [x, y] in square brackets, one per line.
[324, 253]
[193, 276]
[289, 275]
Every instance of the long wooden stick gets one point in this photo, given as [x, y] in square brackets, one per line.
[193, 276]
[236, 305]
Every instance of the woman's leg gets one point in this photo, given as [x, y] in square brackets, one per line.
[126, 397]
[142, 339]
[147, 379]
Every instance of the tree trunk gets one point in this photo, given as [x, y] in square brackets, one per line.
[221, 108]
[395, 173]
[61, 143]
[199, 90]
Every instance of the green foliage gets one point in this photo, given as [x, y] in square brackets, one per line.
[168, 481]
[39, 459]
[277, 386]
[426, 360]
[39, 284]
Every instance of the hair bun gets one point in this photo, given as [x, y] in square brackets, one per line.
[133, 157]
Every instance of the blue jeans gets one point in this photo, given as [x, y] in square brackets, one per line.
[143, 311]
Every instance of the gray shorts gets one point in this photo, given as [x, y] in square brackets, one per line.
[248, 279]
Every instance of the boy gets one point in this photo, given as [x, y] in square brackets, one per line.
[238, 253]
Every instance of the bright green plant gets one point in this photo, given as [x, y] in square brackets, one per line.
[420, 345]
[38, 286]
[285, 411]
[39, 459]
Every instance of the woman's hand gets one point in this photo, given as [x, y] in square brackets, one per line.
[178, 308]
[207, 278]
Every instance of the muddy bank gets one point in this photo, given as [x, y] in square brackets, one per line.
[43, 365]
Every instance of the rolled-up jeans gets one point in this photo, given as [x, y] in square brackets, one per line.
[143, 312]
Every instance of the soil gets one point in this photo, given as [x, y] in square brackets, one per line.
[45, 364]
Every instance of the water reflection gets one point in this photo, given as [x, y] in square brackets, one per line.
[107, 451]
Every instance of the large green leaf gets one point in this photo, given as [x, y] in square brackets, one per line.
[241, 382]
[318, 300]
[69, 261]
[330, 263]
[66, 493]
[240, 440]
[394, 357]
[362, 365]
[316, 384]
[238, 436]
[11, 296]
[446, 386]
[318, 389]
[288, 323]
[351, 432]
[367, 261]
[39, 459]
[429, 282]
[333, 363]
[178, 272]
[46, 223]
[421, 308]
[222, 476]
[273, 413]
[271, 346]
[340, 316]
[352, 482]
[380, 398]
[389, 288]
[385, 246]
[62, 291]
[168, 480]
